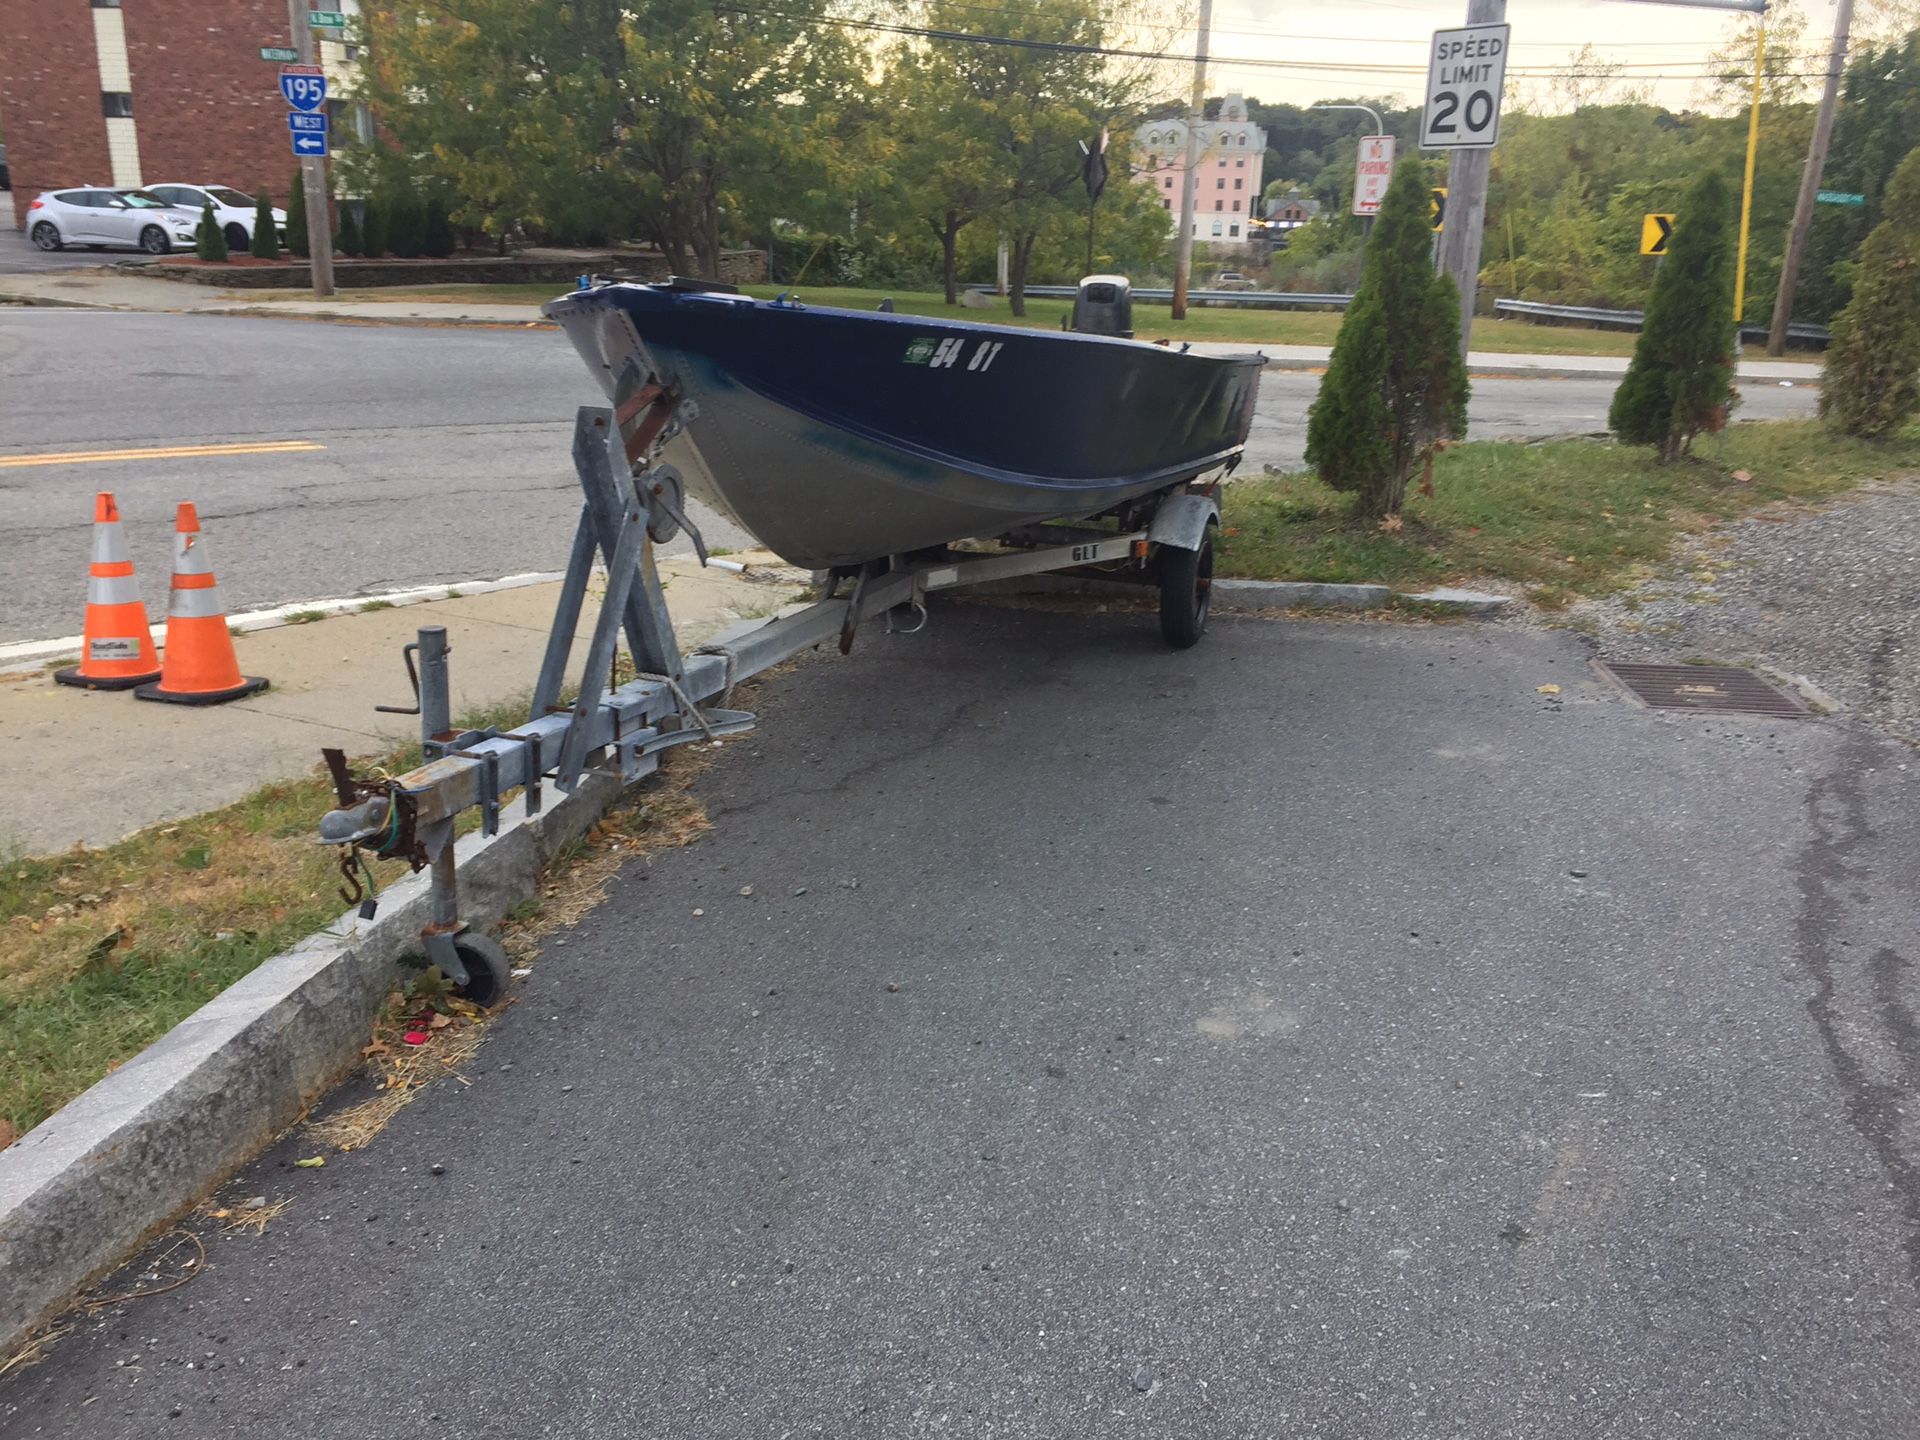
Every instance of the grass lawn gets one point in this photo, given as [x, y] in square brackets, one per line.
[1152, 322]
[103, 951]
[1566, 518]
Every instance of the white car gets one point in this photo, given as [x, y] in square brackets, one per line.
[232, 208]
[97, 217]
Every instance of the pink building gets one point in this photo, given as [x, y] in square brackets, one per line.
[1227, 193]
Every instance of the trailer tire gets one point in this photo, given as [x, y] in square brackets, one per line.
[1186, 592]
[487, 969]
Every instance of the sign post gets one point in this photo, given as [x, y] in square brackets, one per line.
[1466, 73]
[1373, 172]
[305, 87]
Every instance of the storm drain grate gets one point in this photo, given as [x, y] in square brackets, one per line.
[1722, 689]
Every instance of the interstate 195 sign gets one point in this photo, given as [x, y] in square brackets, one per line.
[1466, 71]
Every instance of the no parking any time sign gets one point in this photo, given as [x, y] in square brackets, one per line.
[1466, 71]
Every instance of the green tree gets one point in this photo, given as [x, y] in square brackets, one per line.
[512, 104]
[266, 234]
[1396, 383]
[209, 239]
[1680, 380]
[373, 227]
[406, 224]
[992, 133]
[765, 124]
[436, 237]
[297, 217]
[1877, 124]
[1872, 381]
[349, 241]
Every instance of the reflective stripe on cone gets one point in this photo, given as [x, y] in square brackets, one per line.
[199, 667]
[117, 644]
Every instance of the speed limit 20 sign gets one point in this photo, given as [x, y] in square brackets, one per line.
[1466, 71]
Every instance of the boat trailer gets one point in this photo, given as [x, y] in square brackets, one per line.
[1164, 539]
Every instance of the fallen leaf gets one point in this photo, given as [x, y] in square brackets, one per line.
[1391, 524]
[7, 1134]
[1745, 477]
[438, 1022]
[312, 1162]
[415, 1037]
[1548, 689]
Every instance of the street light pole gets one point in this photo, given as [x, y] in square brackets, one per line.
[1378, 128]
[1189, 179]
[1810, 181]
[313, 170]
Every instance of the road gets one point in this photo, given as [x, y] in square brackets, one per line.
[19, 257]
[1319, 1033]
[446, 452]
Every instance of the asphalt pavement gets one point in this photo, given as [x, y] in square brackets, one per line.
[1320, 1033]
[446, 452]
[19, 256]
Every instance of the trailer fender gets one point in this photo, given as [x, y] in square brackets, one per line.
[1182, 521]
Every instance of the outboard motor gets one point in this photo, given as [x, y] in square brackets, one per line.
[1104, 306]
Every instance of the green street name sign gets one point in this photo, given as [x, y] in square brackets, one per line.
[1839, 197]
[327, 19]
[285, 54]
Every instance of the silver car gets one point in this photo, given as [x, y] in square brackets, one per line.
[97, 217]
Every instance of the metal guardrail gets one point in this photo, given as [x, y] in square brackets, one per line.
[1634, 319]
[1523, 309]
[1251, 299]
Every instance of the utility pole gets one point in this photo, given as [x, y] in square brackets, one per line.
[1196, 112]
[1467, 172]
[1810, 181]
[313, 169]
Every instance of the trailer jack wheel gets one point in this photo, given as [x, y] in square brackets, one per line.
[1186, 591]
[487, 967]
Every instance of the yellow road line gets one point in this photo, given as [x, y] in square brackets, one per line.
[159, 452]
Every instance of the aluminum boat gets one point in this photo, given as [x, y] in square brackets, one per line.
[837, 437]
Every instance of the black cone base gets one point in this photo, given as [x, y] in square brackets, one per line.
[73, 676]
[203, 697]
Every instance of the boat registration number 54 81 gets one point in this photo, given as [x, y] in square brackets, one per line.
[946, 354]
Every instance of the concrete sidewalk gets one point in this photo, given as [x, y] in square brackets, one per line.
[121, 291]
[122, 764]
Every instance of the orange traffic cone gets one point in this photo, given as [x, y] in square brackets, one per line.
[198, 667]
[118, 650]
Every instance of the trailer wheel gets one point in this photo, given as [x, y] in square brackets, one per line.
[487, 967]
[1186, 590]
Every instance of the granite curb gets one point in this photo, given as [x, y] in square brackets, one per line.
[88, 1184]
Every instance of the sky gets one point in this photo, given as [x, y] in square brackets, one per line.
[1380, 46]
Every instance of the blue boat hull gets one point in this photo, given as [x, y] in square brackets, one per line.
[839, 436]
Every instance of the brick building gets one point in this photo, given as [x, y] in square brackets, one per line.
[133, 92]
[1232, 150]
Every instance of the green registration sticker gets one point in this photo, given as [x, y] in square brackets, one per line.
[919, 352]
